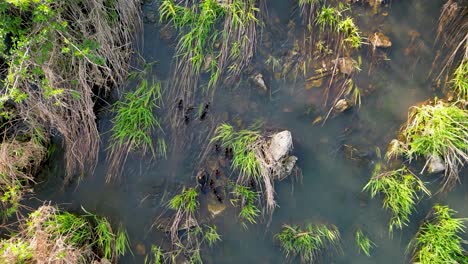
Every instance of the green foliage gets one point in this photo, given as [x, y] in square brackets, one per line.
[156, 257]
[307, 243]
[460, 80]
[135, 119]
[328, 18]
[242, 144]
[363, 242]
[246, 198]
[20, 250]
[351, 32]
[77, 234]
[185, 201]
[400, 190]
[438, 240]
[211, 235]
[436, 130]
[76, 229]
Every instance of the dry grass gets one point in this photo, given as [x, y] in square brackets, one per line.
[19, 162]
[72, 76]
[36, 244]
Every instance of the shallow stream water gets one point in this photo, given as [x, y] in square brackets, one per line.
[330, 190]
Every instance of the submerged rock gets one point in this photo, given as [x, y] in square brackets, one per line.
[379, 40]
[342, 105]
[435, 164]
[260, 82]
[345, 65]
[215, 207]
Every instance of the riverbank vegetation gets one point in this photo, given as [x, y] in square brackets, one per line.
[134, 125]
[435, 131]
[57, 58]
[363, 242]
[401, 190]
[438, 239]
[48, 235]
[309, 243]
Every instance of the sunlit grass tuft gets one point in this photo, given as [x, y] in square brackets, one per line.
[309, 243]
[460, 80]
[401, 190]
[438, 240]
[241, 142]
[436, 131]
[363, 242]
[246, 198]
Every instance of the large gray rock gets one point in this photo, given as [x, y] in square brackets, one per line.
[280, 145]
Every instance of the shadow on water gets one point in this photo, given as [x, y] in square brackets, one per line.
[330, 191]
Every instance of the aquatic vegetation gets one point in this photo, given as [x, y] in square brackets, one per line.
[246, 198]
[217, 38]
[401, 190]
[351, 32]
[460, 80]
[328, 18]
[54, 66]
[436, 130]
[242, 144]
[308, 243]
[363, 242]
[185, 204]
[49, 235]
[156, 257]
[211, 235]
[438, 239]
[133, 126]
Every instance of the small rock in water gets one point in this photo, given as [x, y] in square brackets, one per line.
[379, 40]
[346, 65]
[140, 248]
[436, 164]
[214, 206]
[313, 83]
[342, 105]
[260, 82]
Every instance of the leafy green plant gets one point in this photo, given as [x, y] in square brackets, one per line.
[211, 235]
[460, 80]
[436, 131]
[185, 201]
[438, 239]
[400, 189]
[328, 18]
[133, 126]
[307, 243]
[241, 142]
[64, 237]
[246, 198]
[363, 242]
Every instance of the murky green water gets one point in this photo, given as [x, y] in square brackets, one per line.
[330, 191]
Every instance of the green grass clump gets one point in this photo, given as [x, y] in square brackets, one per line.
[242, 144]
[351, 32]
[135, 119]
[63, 237]
[460, 80]
[308, 243]
[438, 130]
[133, 126]
[247, 199]
[400, 189]
[438, 240]
[185, 201]
[363, 242]
[211, 235]
[328, 18]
